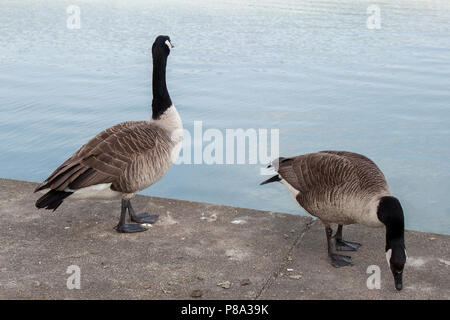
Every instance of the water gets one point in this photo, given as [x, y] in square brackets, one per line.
[310, 68]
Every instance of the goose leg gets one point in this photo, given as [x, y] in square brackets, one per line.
[337, 260]
[342, 245]
[141, 218]
[127, 228]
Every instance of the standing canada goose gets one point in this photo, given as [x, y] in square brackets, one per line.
[345, 188]
[125, 158]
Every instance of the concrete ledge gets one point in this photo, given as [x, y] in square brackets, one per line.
[196, 246]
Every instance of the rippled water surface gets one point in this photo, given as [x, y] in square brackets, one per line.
[309, 68]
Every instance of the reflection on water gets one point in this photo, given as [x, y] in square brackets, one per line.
[309, 68]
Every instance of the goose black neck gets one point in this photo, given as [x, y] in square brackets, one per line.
[390, 212]
[161, 99]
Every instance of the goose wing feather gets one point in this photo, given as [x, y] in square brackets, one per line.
[330, 178]
[371, 179]
[115, 156]
[316, 172]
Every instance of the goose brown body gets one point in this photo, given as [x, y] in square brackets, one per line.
[336, 186]
[130, 156]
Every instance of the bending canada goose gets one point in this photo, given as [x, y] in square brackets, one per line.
[125, 158]
[345, 188]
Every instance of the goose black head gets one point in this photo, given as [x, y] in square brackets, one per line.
[161, 46]
[390, 212]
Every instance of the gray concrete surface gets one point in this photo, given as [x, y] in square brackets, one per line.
[222, 252]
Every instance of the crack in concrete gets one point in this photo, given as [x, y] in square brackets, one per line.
[283, 261]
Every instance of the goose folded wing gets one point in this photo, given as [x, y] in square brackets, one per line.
[316, 171]
[370, 178]
[104, 159]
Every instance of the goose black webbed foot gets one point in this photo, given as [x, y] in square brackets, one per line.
[142, 217]
[342, 245]
[338, 260]
[129, 228]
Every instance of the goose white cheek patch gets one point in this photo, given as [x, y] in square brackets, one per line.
[168, 44]
[388, 256]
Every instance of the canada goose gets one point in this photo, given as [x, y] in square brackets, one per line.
[125, 158]
[345, 188]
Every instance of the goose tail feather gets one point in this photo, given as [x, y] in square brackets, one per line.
[52, 199]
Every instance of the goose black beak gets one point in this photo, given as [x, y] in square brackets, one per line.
[272, 179]
[398, 278]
